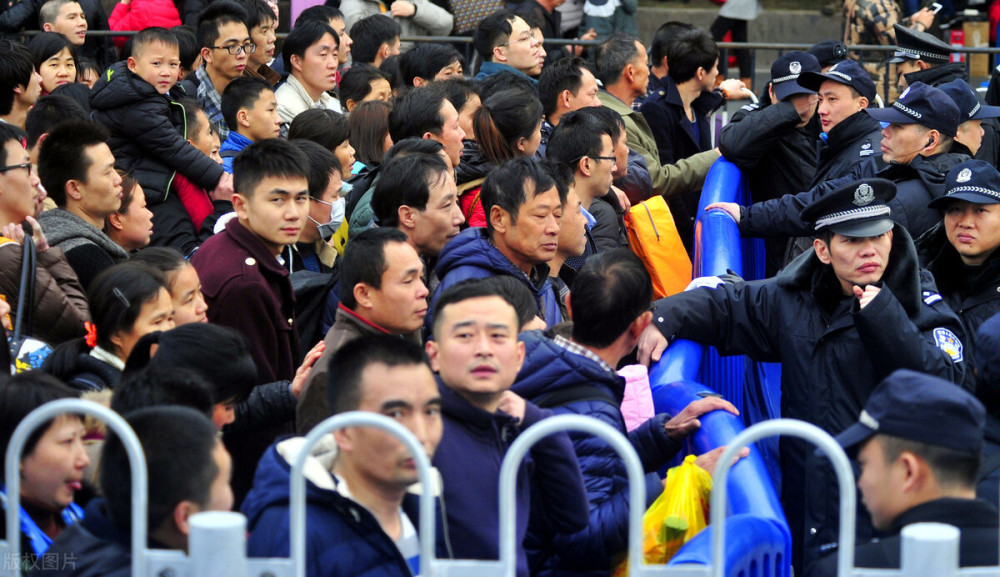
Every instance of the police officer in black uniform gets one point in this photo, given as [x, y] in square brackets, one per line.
[839, 318]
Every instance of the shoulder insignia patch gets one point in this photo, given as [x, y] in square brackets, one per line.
[949, 343]
[931, 298]
[750, 107]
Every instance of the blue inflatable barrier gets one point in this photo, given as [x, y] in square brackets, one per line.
[758, 541]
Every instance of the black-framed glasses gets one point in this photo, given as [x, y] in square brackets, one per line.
[236, 49]
[527, 38]
[602, 157]
[27, 166]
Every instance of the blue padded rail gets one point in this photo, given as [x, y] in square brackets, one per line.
[758, 540]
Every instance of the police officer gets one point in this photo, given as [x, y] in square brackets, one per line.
[970, 136]
[918, 442]
[918, 132]
[920, 57]
[775, 146]
[839, 319]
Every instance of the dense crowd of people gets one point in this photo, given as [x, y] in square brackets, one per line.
[227, 245]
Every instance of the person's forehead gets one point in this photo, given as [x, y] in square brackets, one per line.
[233, 31]
[518, 26]
[325, 42]
[14, 148]
[484, 310]
[281, 184]
[99, 153]
[70, 8]
[447, 110]
[548, 197]
[400, 257]
[832, 86]
[382, 384]
[158, 49]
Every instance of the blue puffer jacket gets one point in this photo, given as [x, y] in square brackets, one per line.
[342, 537]
[471, 256]
[549, 367]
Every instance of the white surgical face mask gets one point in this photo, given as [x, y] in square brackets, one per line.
[337, 208]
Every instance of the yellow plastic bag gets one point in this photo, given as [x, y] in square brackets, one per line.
[677, 515]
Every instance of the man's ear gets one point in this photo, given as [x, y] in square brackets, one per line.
[628, 73]
[500, 219]
[47, 27]
[350, 104]
[383, 50]
[418, 82]
[206, 54]
[583, 165]
[640, 324]
[74, 189]
[863, 102]
[822, 251]
[432, 355]
[407, 216]
[182, 516]
[499, 54]
[915, 472]
[362, 294]
[131, 64]
[564, 97]
[296, 61]
[242, 118]
[240, 206]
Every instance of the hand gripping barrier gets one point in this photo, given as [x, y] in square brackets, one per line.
[807, 432]
[11, 549]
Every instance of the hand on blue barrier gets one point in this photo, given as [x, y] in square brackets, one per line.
[652, 343]
[730, 208]
[709, 460]
[686, 422]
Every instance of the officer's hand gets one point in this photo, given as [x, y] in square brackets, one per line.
[806, 107]
[652, 343]
[303, 372]
[512, 404]
[731, 208]
[686, 422]
[923, 16]
[708, 460]
[865, 296]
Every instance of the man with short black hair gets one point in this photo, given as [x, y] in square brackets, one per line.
[376, 38]
[523, 207]
[609, 305]
[188, 473]
[417, 195]
[426, 112]
[310, 56]
[381, 292]
[251, 112]
[622, 67]
[506, 44]
[360, 516]
[20, 83]
[225, 48]
[77, 168]
[917, 443]
[261, 23]
[65, 17]
[564, 86]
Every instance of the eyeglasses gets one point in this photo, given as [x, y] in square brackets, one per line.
[27, 166]
[602, 157]
[527, 38]
[235, 49]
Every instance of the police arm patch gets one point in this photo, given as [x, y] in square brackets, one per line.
[949, 343]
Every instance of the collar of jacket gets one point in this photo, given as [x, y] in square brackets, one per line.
[702, 106]
[939, 74]
[348, 316]
[850, 129]
[965, 513]
[456, 407]
[549, 366]
[902, 275]
[235, 141]
[951, 274]
[263, 73]
[931, 170]
[249, 242]
[68, 231]
[491, 68]
[97, 522]
[297, 87]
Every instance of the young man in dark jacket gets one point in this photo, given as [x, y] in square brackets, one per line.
[476, 354]
[245, 284]
[839, 319]
[148, 133]
[609, 307]
[775, 145]
[191, 476]
[361, 518]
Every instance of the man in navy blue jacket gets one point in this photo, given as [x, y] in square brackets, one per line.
[477, 355]
[609, 304]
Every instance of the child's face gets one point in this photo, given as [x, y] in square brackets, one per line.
[262, 121]
[202, 138]
[87, 76]
[158, 64]
[216, 145]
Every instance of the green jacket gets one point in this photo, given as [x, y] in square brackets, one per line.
[687, 174]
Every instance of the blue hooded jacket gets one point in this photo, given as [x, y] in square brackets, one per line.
[342, 537]
[549, 367]
[471, 256]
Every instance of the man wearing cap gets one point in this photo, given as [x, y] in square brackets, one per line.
[775, 146]
[970, 134]
[966, 265]
[828, 52]
[918, 132]
[917, 443]
[839, 319]
[920, 57]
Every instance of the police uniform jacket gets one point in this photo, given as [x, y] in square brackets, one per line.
[851, 142]
[917, 183]
[976, 519]
[832, 355]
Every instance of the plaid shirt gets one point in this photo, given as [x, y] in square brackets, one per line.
[211, 102]
[577, 349]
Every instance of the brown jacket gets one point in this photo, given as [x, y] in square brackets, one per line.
[60, 301]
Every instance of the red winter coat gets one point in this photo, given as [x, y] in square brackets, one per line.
[141, 14]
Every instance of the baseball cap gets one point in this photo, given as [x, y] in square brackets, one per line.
[846, 72]
[915, 45]
[924, 105]
[974, 181]
[787, 69]
[968, 103]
